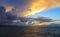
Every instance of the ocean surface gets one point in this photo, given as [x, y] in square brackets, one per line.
[29, 31]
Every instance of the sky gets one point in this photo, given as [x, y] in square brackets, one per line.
[53, 13]
[34, 8]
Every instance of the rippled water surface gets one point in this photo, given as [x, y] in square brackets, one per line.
[29, 31]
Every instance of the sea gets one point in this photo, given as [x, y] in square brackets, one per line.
[29, 31]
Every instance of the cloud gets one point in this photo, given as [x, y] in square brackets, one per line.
[20, 5]
[8, 8]
[40, 5]
[29, 7]
[44, 19]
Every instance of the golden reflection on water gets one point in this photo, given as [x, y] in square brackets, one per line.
[29, 31]
[33, 31]
[36, 31]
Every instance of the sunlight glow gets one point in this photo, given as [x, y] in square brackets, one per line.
[37, 6]
[8, 8]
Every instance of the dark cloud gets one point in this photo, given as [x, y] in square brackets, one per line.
[40, 19]
[14, 2]
[5, 18]
[21, 5]
[44, 19]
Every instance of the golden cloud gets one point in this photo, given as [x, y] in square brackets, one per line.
[8, 8]
[40, 5]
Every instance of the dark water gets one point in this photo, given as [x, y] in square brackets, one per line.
[29, 31]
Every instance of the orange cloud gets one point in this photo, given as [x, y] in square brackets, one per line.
[40, 5]
[8, 8]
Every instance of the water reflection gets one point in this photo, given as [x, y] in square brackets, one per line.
[31, 31]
